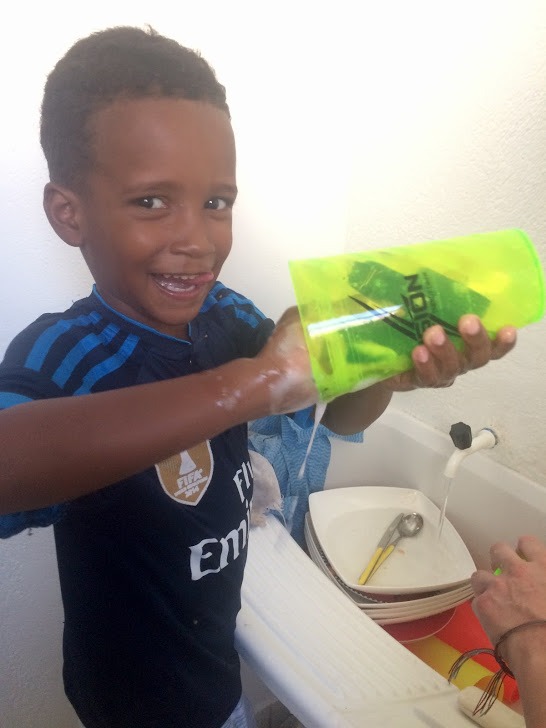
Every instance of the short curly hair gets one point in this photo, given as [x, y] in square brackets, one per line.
[120, 62]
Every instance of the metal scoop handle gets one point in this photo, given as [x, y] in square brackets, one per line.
[379, 549]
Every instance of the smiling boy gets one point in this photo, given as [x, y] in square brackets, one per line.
[154, 222]
[135, 400]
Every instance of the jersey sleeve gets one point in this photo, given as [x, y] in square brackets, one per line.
[229, 326]
[252, 327]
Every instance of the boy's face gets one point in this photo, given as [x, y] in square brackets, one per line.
[156, 212]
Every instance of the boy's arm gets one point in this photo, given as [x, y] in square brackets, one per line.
[55, 450]
[437, 363]
[58, 449]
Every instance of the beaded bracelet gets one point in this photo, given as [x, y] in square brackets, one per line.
[491, 692]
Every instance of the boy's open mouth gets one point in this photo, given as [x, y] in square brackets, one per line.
[179, 283]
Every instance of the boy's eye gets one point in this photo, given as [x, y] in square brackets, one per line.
[151, 203]
[218, 203]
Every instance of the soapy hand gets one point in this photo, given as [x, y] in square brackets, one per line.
[516, 595]
[285, 362]
[437, 363]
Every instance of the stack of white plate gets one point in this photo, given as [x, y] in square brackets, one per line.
[420, 583]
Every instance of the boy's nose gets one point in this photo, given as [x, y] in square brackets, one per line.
[190, 233]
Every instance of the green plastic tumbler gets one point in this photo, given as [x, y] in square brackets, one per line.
[363, 313]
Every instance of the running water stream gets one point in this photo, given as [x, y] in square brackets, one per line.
[288, 518]
[319, 413]
[447, 488]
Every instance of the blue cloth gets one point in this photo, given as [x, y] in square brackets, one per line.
[13, 523]
[284, 442]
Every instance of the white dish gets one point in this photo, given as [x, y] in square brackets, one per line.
[444, 600]
[420, 606]
[419, 629]
[348, 523]
[392, 613]
[396, 616]
[314, 552]
[405, 610]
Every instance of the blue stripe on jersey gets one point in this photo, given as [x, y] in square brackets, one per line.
[247, 317]
[45, 341]
[232, 298]
[116, 361]
[9, 399]
[80, 350]
[252, 317]
[211, 299]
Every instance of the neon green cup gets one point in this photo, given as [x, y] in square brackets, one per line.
[363, 313]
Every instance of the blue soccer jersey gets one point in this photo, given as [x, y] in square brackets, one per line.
[150, 567]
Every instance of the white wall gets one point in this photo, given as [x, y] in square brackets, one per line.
[358, 124]
[455, 143]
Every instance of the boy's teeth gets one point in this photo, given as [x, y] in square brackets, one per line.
[175, 282]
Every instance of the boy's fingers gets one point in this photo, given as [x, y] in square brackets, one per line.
[504, 342]
[437, 362]
[447, 359]
[427, 371]
[478, 347]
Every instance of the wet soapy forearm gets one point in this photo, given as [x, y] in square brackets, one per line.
[58, 449]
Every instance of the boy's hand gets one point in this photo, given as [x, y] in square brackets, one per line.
[284, 360]
[437, 363]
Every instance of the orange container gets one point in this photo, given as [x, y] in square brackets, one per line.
[462, 633]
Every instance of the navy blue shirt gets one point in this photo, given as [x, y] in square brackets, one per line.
[150, 567]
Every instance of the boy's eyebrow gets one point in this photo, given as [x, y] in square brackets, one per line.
[226, 188]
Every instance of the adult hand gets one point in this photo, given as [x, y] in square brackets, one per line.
[514, 597]
[517, 594]
[437, 363]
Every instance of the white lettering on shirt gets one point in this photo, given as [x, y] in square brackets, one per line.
[217, 553]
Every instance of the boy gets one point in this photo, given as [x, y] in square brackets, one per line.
[135, 400]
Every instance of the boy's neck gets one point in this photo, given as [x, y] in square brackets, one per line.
[185, 333]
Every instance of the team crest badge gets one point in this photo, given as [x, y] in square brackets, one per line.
[185, 477]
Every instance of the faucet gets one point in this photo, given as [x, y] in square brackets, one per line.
[465, 444]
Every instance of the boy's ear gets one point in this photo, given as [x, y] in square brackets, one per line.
[63, 209]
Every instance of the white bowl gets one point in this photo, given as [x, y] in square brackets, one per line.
[383, 603]
[349, 522]
[394, 612]
[403, 609]
[392, 616]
